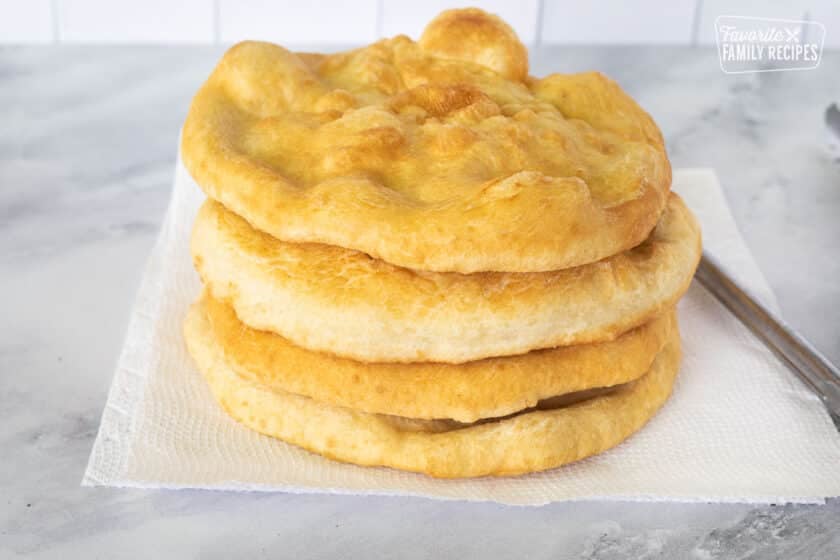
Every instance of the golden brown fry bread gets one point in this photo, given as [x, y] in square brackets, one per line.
[464, 392]
[531, 441]
[335, 300]
[438, 155]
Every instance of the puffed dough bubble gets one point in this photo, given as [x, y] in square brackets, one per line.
[401, 149]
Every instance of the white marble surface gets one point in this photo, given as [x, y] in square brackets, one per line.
[87, 149]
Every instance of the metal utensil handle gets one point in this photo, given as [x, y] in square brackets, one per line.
[797, 353]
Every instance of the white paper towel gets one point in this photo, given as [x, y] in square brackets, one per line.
[739, 426]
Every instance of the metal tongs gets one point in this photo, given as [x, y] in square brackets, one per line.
[791, 348]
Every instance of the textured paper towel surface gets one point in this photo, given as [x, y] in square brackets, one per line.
[739, 427]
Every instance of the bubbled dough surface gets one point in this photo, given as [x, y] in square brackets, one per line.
[441, 154]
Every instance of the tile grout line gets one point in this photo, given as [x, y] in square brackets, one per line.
[538, 31]
[380, 18]
[55, 21]
[217, 23]
[695, 25]
[538, 40]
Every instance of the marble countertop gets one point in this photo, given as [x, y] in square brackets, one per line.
[87, 149]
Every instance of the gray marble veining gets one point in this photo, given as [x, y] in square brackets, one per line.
[87, 149]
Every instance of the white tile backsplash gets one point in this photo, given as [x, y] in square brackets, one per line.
[410, 17]
[618, 22]
[780, 9]
[26, 21]
[342, 22]
[133, 21]
[827, 12]
[294, 21]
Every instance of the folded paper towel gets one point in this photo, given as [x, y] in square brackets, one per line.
[739, 427]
